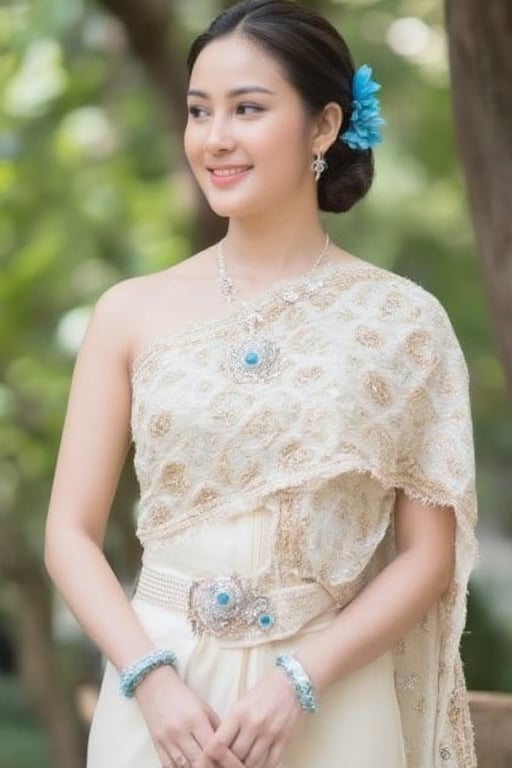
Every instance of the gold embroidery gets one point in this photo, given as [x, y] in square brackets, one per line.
[290, 537]
[419, 347]
[292, 454]
[322, 300]
[158, 514]
[377, 388]
[369, 337]
[421, 407]
[407, 682]
[306, 375]
[392, 304]
[205, 496]
[159, 424]
[174, 477]
[251, 473]
[454, 466]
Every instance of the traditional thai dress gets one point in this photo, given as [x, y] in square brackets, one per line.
[268, 464]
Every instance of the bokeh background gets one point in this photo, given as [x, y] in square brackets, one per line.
[93, 189]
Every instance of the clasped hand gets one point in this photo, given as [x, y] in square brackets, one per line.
[189, 734]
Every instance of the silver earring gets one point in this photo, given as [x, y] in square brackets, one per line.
[319, 165]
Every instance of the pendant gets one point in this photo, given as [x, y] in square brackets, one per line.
[255, 359]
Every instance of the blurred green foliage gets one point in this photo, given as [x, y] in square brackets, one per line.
[92, 190]
[22, 741]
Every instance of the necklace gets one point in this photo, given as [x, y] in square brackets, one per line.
[258, 357]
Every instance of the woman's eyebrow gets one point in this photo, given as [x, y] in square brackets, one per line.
[244, 89]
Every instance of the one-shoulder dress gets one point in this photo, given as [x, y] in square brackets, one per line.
[268, 462]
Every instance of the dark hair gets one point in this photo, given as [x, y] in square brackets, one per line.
[318, 63]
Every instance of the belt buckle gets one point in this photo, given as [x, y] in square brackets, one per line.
[228, 605]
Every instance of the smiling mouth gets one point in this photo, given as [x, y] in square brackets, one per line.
[226, 172]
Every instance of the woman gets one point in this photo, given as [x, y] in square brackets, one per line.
[303, 448]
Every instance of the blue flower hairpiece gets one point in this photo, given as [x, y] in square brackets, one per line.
[363, 130]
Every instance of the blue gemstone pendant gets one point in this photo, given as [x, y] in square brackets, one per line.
[254, 359]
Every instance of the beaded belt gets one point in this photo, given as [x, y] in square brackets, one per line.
[234, 608]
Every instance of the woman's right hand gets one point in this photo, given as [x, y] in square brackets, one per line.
[180, 723]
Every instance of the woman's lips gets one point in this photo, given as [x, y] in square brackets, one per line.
[227, 175]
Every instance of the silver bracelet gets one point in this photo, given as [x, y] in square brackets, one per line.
[134, 673]
[300, 680]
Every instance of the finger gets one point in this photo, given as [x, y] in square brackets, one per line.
[229, 761]
[222, 738]
[212, 716]
[219, 747]
[177, 761]
[201, 736]
[204, 734]
[258, 754]
[241, 745]
[190, 749]
[164, 756]
[274, 758]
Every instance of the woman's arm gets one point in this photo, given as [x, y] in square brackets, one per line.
[391, 603]
[94, 445]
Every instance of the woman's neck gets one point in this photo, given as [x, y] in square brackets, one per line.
[265, 252]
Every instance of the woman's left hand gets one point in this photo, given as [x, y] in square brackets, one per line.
[259, 727]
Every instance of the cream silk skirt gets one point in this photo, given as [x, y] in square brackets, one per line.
[358, 725]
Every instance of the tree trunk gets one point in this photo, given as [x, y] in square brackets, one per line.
[51, 696]
[491, 714]
[480, 36]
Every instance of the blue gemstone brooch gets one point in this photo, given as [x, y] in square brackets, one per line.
[227, 605]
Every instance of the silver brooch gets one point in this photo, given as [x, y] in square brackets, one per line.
[227, 605]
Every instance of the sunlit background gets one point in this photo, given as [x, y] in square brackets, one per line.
[93, 189]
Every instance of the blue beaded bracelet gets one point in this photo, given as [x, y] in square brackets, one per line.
[299, 678]
[134, 673]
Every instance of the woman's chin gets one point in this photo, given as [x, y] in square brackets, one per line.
[232, 210]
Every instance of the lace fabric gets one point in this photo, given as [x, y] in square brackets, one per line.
[371, 395]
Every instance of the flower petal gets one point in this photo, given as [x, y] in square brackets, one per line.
[365, 120]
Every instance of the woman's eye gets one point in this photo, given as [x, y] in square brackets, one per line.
[195, 111]
[248, 109]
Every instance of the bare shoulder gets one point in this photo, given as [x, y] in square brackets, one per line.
[136, 310]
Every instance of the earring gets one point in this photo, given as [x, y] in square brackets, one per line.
[319, 165]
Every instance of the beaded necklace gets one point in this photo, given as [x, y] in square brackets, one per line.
[258, 357]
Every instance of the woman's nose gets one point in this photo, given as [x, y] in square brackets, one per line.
[219, 137]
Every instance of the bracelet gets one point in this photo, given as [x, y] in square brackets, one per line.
[300, 680]
[134, 673]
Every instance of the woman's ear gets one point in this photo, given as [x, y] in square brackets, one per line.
[327, 127]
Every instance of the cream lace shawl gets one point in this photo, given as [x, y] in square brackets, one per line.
[371, 395]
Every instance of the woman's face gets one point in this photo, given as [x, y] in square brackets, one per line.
[247, 139]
